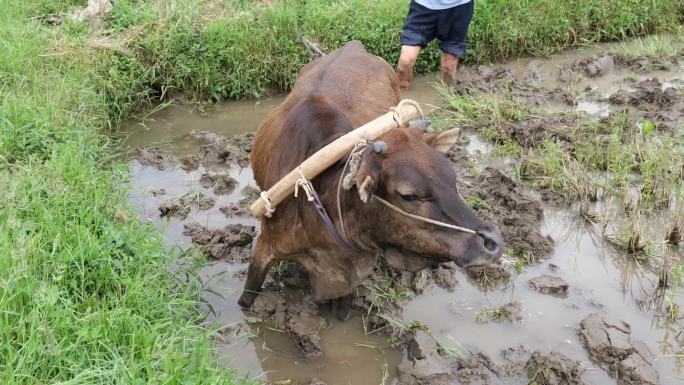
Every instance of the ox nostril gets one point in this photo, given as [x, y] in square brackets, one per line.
[491, 239]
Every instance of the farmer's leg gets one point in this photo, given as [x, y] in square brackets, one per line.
[452, 29]
[448, 67]
[419, 30]
[407, 59]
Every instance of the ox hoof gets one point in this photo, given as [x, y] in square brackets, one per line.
[246, 300]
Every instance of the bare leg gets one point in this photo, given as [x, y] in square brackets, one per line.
[449, 67]
[407, 59]
[262, 259]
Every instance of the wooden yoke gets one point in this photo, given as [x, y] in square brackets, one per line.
[405, 111]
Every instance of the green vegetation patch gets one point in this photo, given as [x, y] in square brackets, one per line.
[86, 295]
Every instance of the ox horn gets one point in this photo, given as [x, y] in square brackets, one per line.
[379, 147]
[421, 123]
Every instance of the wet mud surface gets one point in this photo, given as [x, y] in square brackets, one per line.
[577, 311]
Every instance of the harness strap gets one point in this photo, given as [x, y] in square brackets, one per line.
[331, 226]
[424, 219]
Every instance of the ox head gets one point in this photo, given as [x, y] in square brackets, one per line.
[409, 170]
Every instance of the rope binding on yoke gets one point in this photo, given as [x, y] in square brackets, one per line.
[305, 184]
[269, 207]
[396, 111]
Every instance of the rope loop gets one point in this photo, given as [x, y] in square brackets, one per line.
[354, 162]
[305, 185]
[396, 111]
[269, 206]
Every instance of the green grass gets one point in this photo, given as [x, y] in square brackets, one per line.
[213, 50]
[86, 296]
[658, 45]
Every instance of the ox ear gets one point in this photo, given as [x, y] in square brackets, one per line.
[443, 141]
[368, 175]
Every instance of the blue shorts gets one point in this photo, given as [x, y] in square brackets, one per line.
[449, 26]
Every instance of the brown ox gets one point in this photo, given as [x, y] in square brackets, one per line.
[333, 95]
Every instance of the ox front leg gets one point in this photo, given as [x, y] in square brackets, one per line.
[262, 259]
[342, 306]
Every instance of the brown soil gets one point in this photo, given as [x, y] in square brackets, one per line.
[221, 184]
[553, 369]
[549, 284]
[422, 365]
[610, 344]
[512, 311]
[517, 213]
[181, 207]
[664, 107]
[154, 157]
[300, 319]
[478, 369]
[232, 244]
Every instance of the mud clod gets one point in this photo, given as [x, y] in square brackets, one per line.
[233, 209]
[488, 274]
[422, 365]
[553, 369]
[609, 343]
[217, 149]
[222, 184]
[445, 275]
[653, 102]
[421, 280]
[477, 369]
[301, 320]
[232, 243]
[549, 284]
[517, 213]
[512, 311]
[181, 207]
[190, 162]
[599, 67]
[154, 157]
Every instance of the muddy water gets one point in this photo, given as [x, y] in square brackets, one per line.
[600, 278]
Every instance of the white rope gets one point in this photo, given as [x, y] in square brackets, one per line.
[396, 111]
[305, 185]
[354, 161]
[269, 207]
[421, 218]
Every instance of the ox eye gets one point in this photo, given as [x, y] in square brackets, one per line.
[409, 197]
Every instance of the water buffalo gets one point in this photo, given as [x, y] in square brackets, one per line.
[334, 94]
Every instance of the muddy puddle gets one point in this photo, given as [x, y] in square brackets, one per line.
[192, 182]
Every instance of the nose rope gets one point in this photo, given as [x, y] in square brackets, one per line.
[424, 219]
